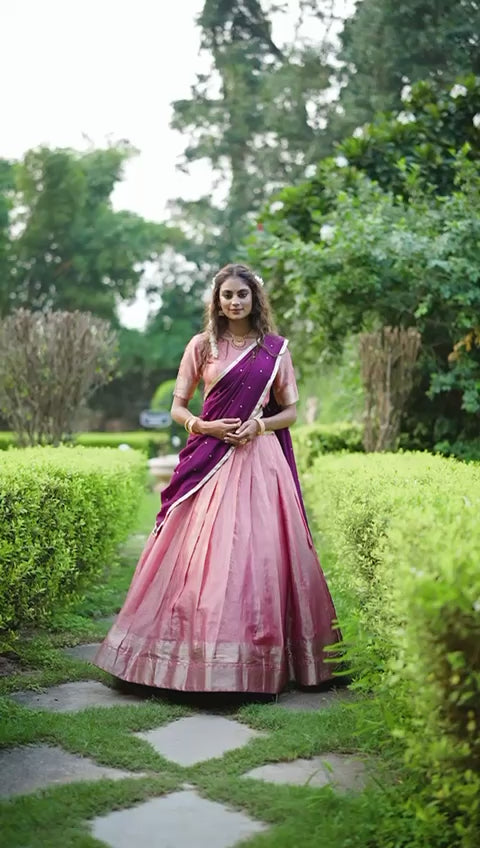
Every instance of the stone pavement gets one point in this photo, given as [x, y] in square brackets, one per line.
[180, 818]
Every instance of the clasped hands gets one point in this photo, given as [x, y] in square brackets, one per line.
[232, 430]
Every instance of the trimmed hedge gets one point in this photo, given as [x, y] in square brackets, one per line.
[150, 442]
[7, 439]
[405, 533]
[312, 440]
[63, 512]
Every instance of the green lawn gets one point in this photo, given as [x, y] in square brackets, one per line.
[301, 817]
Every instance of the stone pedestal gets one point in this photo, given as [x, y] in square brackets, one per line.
[162, 468]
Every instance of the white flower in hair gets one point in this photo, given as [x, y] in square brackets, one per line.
[258, 280]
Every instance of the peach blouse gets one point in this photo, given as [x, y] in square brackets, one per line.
[190, 373]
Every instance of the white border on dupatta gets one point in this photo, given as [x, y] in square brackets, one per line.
[230, 451]
[229, 367]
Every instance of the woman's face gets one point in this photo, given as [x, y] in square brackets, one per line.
[235, 298]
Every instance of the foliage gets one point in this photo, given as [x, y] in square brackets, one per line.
[251, 117]
[49, 364]
[69, 249]
[151, 443]
[435, 122]
[63, 512]
[413, 631]
[375, 262]
[386, 44]
[313, 440]
[333, 390]
[7, 439]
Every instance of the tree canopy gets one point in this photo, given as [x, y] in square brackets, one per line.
[63, 244]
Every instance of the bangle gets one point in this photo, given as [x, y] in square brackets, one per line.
[261, 425]
[189, 424]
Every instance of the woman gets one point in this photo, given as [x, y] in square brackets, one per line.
[228, 594]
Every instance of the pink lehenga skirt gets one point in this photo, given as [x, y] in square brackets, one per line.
[229, 596]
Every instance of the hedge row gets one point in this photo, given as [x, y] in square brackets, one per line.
[405, 535]
[150, 442]
[63, 511]
[147, 441]
[313, 440]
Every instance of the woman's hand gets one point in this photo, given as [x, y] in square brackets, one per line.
[247, 432]
[220, 429]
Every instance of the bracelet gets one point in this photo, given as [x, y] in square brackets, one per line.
[189, 423]
[261, 425]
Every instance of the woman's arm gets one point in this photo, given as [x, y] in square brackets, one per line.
[181, 413]
[285, 418]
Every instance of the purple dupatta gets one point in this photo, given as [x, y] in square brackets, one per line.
[238, 393]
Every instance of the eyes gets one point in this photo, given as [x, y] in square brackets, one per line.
[243, 294]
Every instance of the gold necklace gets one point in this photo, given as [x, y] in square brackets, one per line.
[238, 341]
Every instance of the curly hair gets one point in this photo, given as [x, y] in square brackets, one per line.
[260, 317]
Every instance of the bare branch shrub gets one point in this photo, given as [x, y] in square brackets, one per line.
[388, 360]
[49, 364]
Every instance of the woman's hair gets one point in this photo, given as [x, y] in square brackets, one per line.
[260, 317]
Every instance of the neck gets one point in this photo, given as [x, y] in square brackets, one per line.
[240, 327]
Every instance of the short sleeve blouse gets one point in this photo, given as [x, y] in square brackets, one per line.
[191, 371]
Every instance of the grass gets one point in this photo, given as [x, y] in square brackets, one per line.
[299, 816]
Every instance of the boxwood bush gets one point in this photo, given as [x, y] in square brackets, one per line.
[63, 512]
[405, 537]
[149, 441]
[312, 440]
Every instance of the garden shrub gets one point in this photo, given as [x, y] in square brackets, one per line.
[7, 439]
[405, 537]
[434, 676]
[150, 442]
[63, 512]
[312, 440]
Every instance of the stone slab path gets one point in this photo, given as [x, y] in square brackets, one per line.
[341, 771]
[179, 820]
[200, 737]
[71, 697]
[31, 767]
[182, 818]
[83, 652]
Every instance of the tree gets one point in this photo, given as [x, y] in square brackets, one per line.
[388, 43]
[249, 118]
[70, 249]
[49, 365]
[375, 262]
[149, 357]
[434, 123]
[6, 190]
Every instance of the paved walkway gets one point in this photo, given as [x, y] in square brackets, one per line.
[181, 818]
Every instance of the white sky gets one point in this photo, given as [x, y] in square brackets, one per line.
[76, 72]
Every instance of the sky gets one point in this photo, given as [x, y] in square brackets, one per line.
[83, 72]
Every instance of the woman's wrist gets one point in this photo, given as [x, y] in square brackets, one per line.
[200, 427]
[192, 425]
[260, 425]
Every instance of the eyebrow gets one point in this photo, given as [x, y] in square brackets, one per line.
[229, 291]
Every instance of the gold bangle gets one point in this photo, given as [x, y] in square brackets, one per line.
[261, 424]
[191, 424]
[187, 424]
